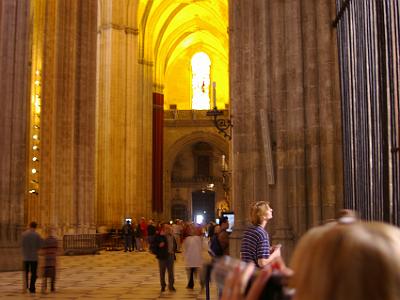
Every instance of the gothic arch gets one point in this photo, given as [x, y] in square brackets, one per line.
[213, 139]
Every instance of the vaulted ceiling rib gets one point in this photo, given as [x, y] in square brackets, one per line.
[169, 28]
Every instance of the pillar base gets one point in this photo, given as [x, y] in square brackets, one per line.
[10, 259]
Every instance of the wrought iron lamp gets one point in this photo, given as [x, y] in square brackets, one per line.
[222, 125]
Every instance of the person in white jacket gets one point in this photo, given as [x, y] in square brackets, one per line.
[192, 252]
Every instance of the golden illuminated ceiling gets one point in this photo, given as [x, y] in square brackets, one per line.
[171, 29]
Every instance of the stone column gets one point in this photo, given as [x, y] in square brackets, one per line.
[313, 157]
[281, 64]
[247, 51]
[111, 118]
[14, 83]
[67, 198]
[85, 117]
[133, 197]
[124, 117]
[329, 111]
[145, 126]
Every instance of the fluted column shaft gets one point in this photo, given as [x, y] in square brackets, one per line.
[14, 86]
[124, 118]
[67, 197]
[282, 61]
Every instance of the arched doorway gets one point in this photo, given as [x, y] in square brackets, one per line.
[203, 206]
[192, 164]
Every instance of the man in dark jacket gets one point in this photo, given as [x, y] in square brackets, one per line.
[31, 243]
[165, 248]
[151, 233]
[127, 235]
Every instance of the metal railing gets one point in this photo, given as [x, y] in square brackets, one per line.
[369, 55]
[82, 243]
[91, 243]
[196, 179]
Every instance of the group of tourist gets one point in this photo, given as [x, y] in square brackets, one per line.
[343, 259]
[138, 235]
[169, 239]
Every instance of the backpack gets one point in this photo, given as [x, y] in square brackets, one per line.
[215, 248]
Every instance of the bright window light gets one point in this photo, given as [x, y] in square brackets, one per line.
[201, 81]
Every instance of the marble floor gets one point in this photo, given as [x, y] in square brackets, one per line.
[108, 275]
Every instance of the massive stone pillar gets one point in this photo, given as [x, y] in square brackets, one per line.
[14, 83]
[66, 197]
[124, 117]
[145, 136]
[284, 89]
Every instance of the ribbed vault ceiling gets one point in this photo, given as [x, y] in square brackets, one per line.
[170, 28]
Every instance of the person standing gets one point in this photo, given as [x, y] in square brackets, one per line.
[256, 246]
[219, 246]
[143, 230]
[127, 233]
[223, 236]
[31, 243]
[192, 252]
[151, 231]
[137, 234]
[177, 232]
[165, 248]
[50, 248]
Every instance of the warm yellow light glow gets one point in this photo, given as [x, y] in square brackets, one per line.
[38, 10]
[37, 108]
[173, 31]
[201, 81]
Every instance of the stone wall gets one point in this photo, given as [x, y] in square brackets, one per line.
[283, 70]
[66, 197]
[14, 78]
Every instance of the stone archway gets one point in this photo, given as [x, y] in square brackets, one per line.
[175, 147]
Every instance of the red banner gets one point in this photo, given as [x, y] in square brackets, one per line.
[158, 128]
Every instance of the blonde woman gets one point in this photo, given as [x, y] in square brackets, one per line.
[354, 260]
[348, 261]
[256, 246]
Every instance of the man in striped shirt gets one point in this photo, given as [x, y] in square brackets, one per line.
[255, 243]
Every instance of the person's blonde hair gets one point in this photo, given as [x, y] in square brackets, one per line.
[355, 261]
[258, 212]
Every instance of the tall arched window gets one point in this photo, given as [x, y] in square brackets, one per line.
[201, 64]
